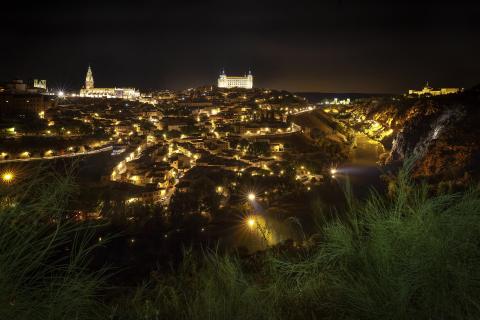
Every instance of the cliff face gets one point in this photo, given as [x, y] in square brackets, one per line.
[442, 133]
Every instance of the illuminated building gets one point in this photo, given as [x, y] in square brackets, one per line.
[245, 82]
[40, 84]
[90, 91]
[89, 79]
[337, 101]
[427, 90]
[19, 98]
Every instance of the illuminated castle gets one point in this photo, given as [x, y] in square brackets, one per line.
[90, 91]
[225, 81]
[427, 90]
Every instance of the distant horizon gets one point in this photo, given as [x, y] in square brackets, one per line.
[74, 87]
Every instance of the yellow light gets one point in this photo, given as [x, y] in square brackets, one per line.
[251, 222]
[333, 171]
[131, 200]
[8, 177]
[251, 196]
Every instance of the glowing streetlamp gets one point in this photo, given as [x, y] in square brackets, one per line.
[333, 171]
[7, 177]
[251, 222]
[60, 94]
[251, 196]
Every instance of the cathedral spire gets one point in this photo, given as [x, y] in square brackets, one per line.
[89, 79]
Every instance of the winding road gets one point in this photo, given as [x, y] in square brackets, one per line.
[70, 155]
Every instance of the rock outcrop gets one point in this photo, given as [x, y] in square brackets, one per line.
[442, 133]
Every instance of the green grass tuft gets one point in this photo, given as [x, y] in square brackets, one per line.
[43, 258]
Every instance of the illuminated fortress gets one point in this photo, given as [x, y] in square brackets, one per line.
[90, 91]
[427, 90]
[245, 82]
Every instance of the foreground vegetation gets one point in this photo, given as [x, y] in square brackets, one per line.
[412, 255]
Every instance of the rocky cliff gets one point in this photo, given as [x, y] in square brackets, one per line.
[442, 133]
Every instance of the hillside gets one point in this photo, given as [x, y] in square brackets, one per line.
[441, 132]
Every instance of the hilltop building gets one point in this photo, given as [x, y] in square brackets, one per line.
[40, 84]
[20, 98]
[427, 90]
[245, 82]
[90, 91]
[89, 79]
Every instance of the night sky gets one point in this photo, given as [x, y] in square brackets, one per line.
[327, 46]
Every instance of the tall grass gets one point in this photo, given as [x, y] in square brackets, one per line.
[413, 256]
[43, 258]
[409, 256]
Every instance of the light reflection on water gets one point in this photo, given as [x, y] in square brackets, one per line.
[259, 231]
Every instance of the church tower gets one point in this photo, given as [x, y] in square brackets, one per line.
[89, 79]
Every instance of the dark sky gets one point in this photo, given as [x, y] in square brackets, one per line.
[328, 46]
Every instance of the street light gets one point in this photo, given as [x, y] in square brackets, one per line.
[333, 171]
[61, 93]
[251, 222]
[251, 196]
[7, 177]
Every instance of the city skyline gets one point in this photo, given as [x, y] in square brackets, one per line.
[333, 46]
[270, 160]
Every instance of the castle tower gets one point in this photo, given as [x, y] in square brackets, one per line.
[250, 80]
[89, 79]
[222, 80]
